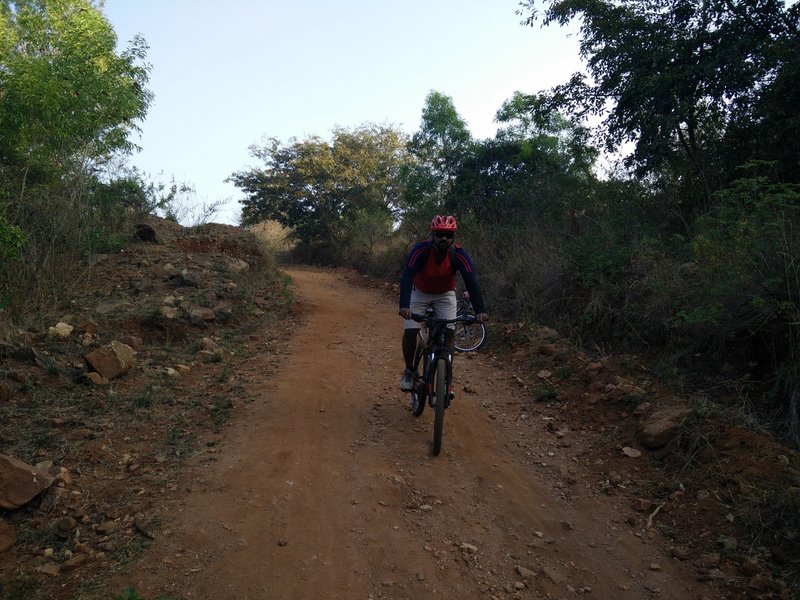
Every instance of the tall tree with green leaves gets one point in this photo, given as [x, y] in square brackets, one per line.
[68, 103]
[66, 95]
[675, 77]
[322, 190]
[436, 152]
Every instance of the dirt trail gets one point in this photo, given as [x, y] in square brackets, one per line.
[325, 487]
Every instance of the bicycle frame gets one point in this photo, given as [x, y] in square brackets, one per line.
[432, 384]
[435, 347]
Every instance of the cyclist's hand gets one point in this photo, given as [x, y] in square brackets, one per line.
[405, 313]
[482, 317]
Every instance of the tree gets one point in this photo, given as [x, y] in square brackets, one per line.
[674, 76]
[320, 189]
[535, 168]
[436, 152]
[68, 102]
[65, 94]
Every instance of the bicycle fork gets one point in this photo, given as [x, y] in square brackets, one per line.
[430, 381]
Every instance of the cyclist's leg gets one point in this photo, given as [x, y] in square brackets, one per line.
[411, 328]
[409, 344]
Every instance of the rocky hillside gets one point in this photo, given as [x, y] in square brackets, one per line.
[101, 405]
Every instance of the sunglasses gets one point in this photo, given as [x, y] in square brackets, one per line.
[444, 234]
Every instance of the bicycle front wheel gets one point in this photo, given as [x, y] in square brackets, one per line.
[469, 336]
[441, 395]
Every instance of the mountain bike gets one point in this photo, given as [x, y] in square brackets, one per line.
[433, 370]
[469, 335]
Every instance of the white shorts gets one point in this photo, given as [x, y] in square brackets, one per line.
[444, 307]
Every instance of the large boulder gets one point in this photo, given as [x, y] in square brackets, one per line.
[20, 482]
[112, 360]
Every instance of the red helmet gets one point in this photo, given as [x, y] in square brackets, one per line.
[442, 223]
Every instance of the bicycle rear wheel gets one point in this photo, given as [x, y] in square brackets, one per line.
[441, 395]
[469, 336]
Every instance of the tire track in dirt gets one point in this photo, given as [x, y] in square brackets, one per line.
[325, 487]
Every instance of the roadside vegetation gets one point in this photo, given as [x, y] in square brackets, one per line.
[687, 249]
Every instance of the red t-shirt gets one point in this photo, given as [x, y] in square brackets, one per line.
[435, 278]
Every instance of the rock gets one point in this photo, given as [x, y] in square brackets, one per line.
[74, 562]
[51, 569]
[109, 527]
[642, 505]
[189, 279]
[525, 573]
[680, 552]
[237, 265]
[7, 536]
[659, 429]
[67, 524]
[208, 344]
[469, 548]
[60, 330]
[169, 312]
[552, 575]
[20, 482]
[631, 452]
[224, 311]
[112, 360]
[200, 314]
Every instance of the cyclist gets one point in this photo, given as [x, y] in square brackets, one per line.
[428, 279]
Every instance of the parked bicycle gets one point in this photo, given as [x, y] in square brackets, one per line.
[433, 382]
[470, 335]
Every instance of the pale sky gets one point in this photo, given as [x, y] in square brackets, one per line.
[227, 74]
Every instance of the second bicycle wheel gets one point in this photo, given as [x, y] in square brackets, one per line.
[438, 413]
[418, 397]
[469, 336]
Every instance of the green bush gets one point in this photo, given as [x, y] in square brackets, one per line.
[11, 239]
